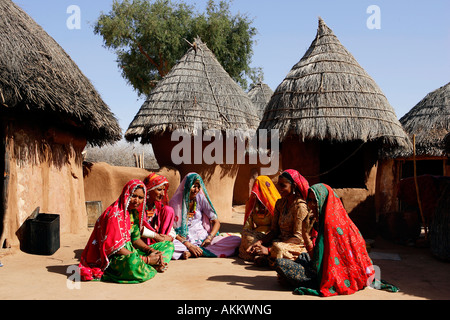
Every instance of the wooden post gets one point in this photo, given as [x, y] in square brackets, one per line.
[417, 187]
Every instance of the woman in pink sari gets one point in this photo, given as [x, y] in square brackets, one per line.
[158, 220]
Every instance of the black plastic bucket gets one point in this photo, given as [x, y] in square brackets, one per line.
[42, 234]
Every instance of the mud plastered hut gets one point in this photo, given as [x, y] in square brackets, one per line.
[48, 112]
[195, 97]
[260, 94]
[333, 120]
[427, 124]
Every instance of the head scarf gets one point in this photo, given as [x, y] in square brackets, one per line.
[111, 233]
[265, 191]
[180, 203]
[300, 183]
[340, 256]
[154, 181]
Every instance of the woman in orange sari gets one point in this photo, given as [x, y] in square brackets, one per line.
[258, 214]
[289, 234]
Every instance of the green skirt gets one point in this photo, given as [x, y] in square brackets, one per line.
[131, 269]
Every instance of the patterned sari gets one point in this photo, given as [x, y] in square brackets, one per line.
[340, 263]
[115, 229]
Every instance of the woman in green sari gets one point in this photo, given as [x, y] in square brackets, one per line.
[340, 264]
[115, 251]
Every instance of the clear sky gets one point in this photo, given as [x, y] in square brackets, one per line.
[408, 56]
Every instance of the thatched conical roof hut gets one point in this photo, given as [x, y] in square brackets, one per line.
[49, 111]
[429, 121]
[260, 94]
[38, 77]
[196, 91]
[428, 126]
[334, 121]
[327, 95]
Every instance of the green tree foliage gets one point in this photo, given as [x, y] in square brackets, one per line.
[150, 36]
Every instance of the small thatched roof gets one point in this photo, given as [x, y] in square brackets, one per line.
[260, 94]
[37, 77]
[329, 96]
[429, 120]
[196, 89]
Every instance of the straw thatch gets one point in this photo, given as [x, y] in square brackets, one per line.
[447, 143]
[329, 96]
[429, 121]
[196, 89]
[37, 77]
[260, 94]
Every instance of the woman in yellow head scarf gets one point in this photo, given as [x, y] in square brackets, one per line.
[258, 214]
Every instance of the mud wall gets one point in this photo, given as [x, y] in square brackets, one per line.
[45, 171]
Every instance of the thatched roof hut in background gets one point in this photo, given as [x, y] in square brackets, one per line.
[333, 121]
[428, 124]
[260, 94]
[48, 110]
[429, 121]
[195, 96]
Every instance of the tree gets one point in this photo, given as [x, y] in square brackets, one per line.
[149, 37]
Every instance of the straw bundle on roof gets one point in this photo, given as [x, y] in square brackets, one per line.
[38, 77]
[260, 94]
[329, 96]
[196, 89]
[429, 120]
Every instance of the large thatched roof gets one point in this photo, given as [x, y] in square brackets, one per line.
[260, 94]
[196, 89]
[329, 96]
[429, 120]
[39, 78]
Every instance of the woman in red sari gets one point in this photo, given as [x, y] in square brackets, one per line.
[159, 216]
[340, 264]
[115, 251]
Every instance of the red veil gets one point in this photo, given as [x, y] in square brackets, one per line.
[111, 233]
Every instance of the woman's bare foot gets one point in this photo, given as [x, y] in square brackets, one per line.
[186, 255]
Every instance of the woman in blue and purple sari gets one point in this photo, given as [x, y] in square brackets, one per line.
[196, 223]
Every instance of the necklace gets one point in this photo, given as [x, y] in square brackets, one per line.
[191, 213]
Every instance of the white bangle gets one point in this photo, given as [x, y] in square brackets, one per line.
[146, 233]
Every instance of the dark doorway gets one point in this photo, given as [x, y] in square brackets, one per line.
[342, 164]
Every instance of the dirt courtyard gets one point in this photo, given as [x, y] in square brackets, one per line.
[23, 276]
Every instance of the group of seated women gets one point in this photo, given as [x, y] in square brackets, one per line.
[302, 232]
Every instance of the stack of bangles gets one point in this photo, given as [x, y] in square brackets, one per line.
[145, 259]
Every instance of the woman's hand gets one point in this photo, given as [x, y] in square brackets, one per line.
[163, 237]
[258, 249]
[207, 241]
[193, 249]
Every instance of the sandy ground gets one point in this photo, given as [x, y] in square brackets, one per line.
[23, 276]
